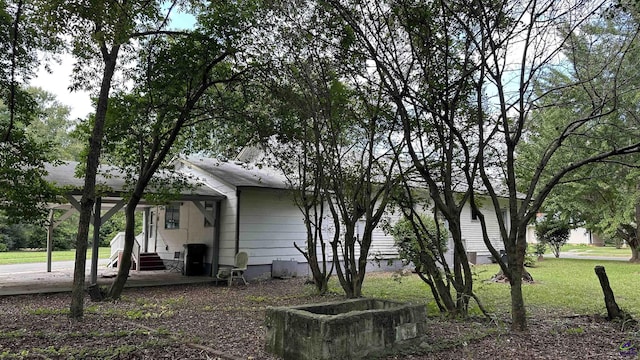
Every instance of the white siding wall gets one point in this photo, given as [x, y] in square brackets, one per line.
[579, 236]
[382, 245]
[269, 224]
[191, 231]
[472, 231]
[228, 213]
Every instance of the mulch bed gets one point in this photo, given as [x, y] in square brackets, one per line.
[209, 322]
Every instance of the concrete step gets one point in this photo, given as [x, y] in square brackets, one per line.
[151, 261]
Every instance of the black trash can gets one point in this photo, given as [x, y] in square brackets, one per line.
[194, 259]
[504, 257]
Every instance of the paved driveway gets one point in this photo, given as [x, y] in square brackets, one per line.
[38, 267]
[573, 255]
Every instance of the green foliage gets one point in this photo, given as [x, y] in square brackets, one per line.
[529, 260]
[52, 126]
[600, 196]
[539, 248]
[414, 240]
[23, 191]
[554, 232]
[17, 236]
[114, 225]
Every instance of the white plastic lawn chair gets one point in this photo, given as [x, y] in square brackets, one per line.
[240, 266]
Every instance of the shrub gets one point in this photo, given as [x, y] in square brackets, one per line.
[3, 247]
[529, 260]
[553, 232]
[540, 248]
[407, 237]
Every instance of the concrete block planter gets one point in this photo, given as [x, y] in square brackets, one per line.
[349, 329]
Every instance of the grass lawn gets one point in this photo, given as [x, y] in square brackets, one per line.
[21, 257]
[563, 286]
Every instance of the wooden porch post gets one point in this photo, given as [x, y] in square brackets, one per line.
[96, 240]
[215, 261]
[49, 240]
[52, 225]
[214, 219]
[145, 227]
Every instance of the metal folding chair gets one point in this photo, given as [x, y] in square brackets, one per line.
[177, 262]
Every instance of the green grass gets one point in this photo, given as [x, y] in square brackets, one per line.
[22, 257]
[566, 286]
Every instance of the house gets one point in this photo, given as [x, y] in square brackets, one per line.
[235, 206]
[259, 216]
[577, 236]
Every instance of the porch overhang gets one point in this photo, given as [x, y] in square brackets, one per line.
[111, 197]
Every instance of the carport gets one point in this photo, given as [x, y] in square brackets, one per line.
[112, 191]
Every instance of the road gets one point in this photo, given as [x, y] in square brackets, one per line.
[573, 255]
[42, 267]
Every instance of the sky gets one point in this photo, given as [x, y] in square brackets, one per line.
[59, 80]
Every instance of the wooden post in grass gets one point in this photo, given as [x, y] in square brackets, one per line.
[613, 311]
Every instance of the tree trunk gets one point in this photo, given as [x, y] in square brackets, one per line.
[348, 276]
[516, 274]
[357, 284]
[635, 254]
[314, 238]
[634, 244]
[76, 310]
[613, 311]
[441, 288]
[518, 310]
[129, 239]
[463, 277]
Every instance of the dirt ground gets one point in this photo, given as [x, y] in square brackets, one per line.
[209, 322]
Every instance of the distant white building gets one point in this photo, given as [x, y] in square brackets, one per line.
[577, 236]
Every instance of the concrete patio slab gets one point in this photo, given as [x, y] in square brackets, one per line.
[60, 279]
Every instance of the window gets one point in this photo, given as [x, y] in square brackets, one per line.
[172, 217]
[208, 208]
[507, 220]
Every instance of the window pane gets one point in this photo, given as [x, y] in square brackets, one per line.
[172, 217]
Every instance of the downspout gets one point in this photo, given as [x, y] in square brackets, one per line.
[215, 261]
[237, 221]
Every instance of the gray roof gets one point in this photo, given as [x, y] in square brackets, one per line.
[239, 174]
[63, 175]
